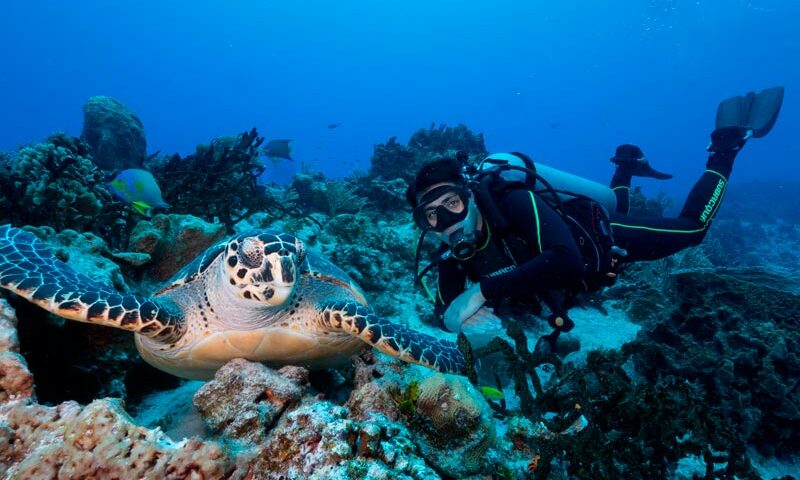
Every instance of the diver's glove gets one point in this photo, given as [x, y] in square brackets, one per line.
[729, 139]
[631, 161]
[463, 307]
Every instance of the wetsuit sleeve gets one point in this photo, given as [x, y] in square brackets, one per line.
[450, 285]
[557, 262]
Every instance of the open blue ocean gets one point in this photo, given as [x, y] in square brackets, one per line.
[215, 216]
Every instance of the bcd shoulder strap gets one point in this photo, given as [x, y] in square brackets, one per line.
[587, 220]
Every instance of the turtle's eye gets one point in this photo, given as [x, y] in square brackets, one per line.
[251, 252]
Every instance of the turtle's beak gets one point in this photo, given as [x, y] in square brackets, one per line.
[281, 269]
[281, 294]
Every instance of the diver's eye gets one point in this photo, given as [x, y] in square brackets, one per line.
[453, 204]
[431, 216]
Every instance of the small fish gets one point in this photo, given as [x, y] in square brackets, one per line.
[492, 393]
[138, 188]
[278, 149]
[333, 125]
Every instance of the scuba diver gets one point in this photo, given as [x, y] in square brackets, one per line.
[528, 234]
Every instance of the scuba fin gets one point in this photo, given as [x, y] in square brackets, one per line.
[753, 111]
[647, 171]
[630, 160]
[640, 168]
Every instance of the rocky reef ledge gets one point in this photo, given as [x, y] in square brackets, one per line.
[257, 423]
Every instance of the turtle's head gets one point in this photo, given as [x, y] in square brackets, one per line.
[263, 267]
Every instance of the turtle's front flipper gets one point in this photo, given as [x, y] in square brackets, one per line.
[29, 269]
[391, 338]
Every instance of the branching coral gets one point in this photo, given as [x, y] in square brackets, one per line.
[628, 430]
[218, 182]
[522, 363]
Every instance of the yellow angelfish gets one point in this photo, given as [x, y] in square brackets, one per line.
[139, 188]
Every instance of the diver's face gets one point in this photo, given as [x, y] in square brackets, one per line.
[451, 201]
[444, 208]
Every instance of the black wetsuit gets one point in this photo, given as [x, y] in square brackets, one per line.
[540, 254]
[651, 238]
[537, 254]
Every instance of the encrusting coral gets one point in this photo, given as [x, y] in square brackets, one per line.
[171, 242]
[245, 399]
[72, 441]
[56, 183]
[99, 441]
[16, 381]
[456, 425]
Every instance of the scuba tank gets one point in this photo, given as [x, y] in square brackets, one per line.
[566, 185]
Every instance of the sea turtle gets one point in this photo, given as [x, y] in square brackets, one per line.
[259, 296]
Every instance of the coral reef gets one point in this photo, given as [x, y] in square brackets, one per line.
[16, 381]
[98, 441]
[762, 202]
[332, 197]
[85, 252]
[770, 248]
[218, 183]
[372, 253]
[456, 424]
[311, 438]
[627, 429]
[392, 160]
[739, 341]
[386, 195]
[245, 399]
[56, 183]
[522, 365]
[449, 419]
[114, 133]
[70, 441]
[169, 242]
[711, 373]
[648, 207]
[318, 441]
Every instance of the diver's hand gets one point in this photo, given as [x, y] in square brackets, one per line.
[482, 327]
[463, 307]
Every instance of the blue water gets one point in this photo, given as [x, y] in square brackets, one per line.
[565, 81]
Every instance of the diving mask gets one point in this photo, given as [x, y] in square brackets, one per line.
[453, 208]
